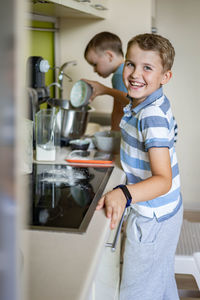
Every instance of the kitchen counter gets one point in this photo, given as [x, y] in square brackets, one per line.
[63, 265]
[63, 153]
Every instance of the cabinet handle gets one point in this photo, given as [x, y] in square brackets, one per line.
[99, 6]
[113, 245]
[83, 0]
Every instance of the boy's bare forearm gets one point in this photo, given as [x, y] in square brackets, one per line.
[117, 114]
[117, 95]
[115, 201]
[158, 184]
[150, 188]
[100, 89]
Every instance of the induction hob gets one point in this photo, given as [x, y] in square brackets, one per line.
[64, 197]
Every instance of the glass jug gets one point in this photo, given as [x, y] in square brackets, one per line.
[45, 129]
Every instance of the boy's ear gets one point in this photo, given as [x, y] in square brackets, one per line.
[110, 55]
[166, 77]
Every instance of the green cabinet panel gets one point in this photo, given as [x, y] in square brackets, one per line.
[42, 44]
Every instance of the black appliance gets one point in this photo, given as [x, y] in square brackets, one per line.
[36, 76]
[38, 93]
[63, 197]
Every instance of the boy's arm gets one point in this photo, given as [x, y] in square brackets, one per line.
[160, 181]
[117, 114]
[100, 89]
[156, 185]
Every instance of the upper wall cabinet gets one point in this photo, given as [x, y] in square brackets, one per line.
[71, 8]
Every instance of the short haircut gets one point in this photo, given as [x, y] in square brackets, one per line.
[155, 42]
[105, 41]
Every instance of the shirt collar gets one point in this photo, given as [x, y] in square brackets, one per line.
[119, 69]
[150, 99]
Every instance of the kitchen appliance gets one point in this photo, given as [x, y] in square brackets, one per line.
[64, 197]
[37, 67]
[73, 121]
[38, 93]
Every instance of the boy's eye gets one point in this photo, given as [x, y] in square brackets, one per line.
[129, 64]
[147, 68]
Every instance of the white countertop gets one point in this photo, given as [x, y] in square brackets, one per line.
[63, 265]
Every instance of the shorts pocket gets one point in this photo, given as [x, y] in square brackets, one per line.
[143, 230]
[140, 250]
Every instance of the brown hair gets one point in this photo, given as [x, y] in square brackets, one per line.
[155, 42]
[105, 41]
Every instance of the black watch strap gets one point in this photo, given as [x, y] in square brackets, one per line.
[126, 192]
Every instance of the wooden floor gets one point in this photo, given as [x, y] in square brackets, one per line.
[188, 289]
[192, 216]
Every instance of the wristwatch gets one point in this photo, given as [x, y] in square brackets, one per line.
[126, 192]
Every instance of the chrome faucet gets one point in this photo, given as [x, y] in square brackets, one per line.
[72, 62]
[61, 75]
[54, 84]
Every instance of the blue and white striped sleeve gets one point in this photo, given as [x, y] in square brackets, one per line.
[155, 128]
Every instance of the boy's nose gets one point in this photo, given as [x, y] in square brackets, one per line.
[135, 73]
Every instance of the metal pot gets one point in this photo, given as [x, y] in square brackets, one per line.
[73, 120]
[59, 103]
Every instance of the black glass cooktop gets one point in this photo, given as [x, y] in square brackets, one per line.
[63, 197]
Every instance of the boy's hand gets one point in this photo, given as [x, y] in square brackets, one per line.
[114, 203]
[98, 88]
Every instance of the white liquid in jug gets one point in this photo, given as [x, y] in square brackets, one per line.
[45, 153]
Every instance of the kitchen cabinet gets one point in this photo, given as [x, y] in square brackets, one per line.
[66, 265]
[71, 8]
[106, 283]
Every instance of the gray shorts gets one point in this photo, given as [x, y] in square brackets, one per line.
[148, 268]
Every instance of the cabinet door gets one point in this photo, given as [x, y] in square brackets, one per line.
[71, 8]
[106, 283]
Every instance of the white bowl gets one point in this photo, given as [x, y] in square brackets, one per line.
[108, 141]
[80, 93]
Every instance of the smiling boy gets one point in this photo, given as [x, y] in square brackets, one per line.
[153, 183]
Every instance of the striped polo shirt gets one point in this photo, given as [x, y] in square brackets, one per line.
[150, 124]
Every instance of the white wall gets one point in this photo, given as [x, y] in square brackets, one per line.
[126, 18]
[179, 20]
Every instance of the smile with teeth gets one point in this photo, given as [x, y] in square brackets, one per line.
[136, 84]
